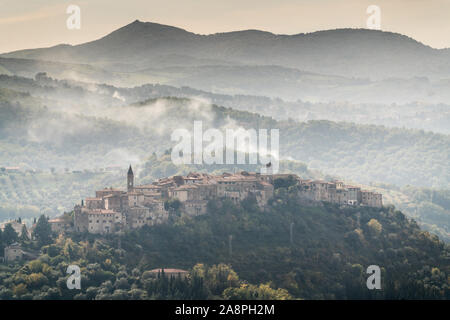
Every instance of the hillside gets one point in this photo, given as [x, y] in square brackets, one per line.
[57, 134]
[329, 245]
[429, 207]
[418, 115]
[330, 250]
[76, 126]
[372, 54]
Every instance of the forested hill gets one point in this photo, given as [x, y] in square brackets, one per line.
[325, 258]
[330, 250]
[55, 135]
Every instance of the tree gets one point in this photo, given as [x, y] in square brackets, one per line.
[172, 204]
[284, 182]
[24, 234]
[375, 226]
[36, 280]
[43, 231]
[20, 290]
[221, 276]
[9, 235]
[255, 292]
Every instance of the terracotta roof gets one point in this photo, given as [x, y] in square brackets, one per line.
[58, 219]
[112, 195]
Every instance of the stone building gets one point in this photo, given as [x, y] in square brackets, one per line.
[94, 203]
[61, 224]
[17, 226]
[13, 252]
[371, 199]
[103, 220]
[337, 192]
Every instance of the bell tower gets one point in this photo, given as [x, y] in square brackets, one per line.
[130, 179]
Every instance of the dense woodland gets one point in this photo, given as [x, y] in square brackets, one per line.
[330, 250]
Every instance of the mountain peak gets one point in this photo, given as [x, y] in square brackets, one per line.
[135, 36]
[149, 25]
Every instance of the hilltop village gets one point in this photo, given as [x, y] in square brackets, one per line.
[113, 210]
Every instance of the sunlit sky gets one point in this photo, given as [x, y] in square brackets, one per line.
[42, 23]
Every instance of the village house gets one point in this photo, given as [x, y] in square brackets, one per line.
[103, 220]
[13, 252]
[61, 224]
[337, 192]
[17, 226]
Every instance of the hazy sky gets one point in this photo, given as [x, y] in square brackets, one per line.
[41, 23]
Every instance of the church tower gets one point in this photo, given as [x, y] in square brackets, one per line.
[130, 180]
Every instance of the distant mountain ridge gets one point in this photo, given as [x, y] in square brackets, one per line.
[345, 52]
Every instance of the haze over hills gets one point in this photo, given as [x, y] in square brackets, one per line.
[351, 65]
[157, 78]
[76, 124]
[345, 52]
